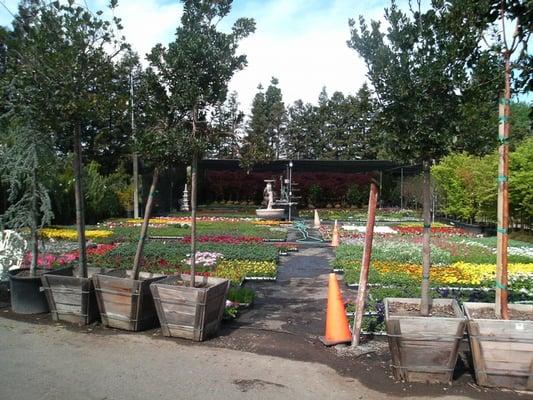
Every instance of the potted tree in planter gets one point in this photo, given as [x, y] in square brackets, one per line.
[24, 159]
[501, 334]
[196, 68]
[418, 70]
[123, 296]
[72, 43]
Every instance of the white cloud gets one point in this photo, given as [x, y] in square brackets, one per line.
[146, 22]
[303, 44]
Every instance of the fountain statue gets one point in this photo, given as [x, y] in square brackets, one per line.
[269, 212]
[185, 200]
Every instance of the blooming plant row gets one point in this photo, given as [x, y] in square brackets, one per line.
[266, 222]
[457, 274]
[205, 259]
[435, 230]
[226, 239]
[72, 234]
[183, 220]
[237, 270]
[48, 260]
[396, 251]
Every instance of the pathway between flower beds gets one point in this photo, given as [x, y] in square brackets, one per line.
[296, 302]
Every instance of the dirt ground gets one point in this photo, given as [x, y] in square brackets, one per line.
[286, 320]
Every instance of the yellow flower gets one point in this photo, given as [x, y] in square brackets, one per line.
[72, 234]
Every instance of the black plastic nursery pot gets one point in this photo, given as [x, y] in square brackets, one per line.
[27, 292]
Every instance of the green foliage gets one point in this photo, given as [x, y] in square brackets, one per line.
[26, 158]
[468, 184]
[316, 195]
[266, 128]
[189, 77]
[240, 294]
[356, 195]
[418, 68]
[102, 193]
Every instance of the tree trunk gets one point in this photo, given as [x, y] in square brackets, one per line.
[78, 193]
[135, 185]
[426, 245]
[365, 264]
[34, 222]
[501, 308]
[194, 190]
[144, 227]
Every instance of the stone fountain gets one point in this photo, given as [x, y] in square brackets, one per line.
[269, 212]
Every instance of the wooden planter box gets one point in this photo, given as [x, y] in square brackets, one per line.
[125, 303]
[190, 313]
[502, 350]
[72, 298]
[424, 349]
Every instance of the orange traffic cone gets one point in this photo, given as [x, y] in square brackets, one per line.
[337, 328]
[317, 220]
[335, 236]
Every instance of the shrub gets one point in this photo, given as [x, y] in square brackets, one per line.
[315, 195]
[355, 195]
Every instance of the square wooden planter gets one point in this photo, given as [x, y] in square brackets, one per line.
[125, 303]
[72, 298]
[190, 313]
[502, 350]
[424, 349]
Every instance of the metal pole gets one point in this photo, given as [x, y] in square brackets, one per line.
[135, 157]
[401, 188]
[290, 189]
[365, 265]
[380, 186]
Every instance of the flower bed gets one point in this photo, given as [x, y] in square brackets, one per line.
[72, 234]
[435, 230]
[382, 215]
[49, 260]
[127, 233]
[170, 256]
[224, 239]
[397, 251]
[237, 270]
[458, 274]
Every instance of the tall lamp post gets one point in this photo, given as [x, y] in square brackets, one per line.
[290, 189]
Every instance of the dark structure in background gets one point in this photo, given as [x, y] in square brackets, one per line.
[318, 181]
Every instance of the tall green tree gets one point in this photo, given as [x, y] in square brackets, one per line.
[26, 158]
[416, 67]
[265, 134]
[195, 70]
[59, 63]
[227, 121]
[302, 131]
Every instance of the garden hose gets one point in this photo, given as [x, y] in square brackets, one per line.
[302, 228]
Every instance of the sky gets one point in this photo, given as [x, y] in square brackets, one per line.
[300, 42]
